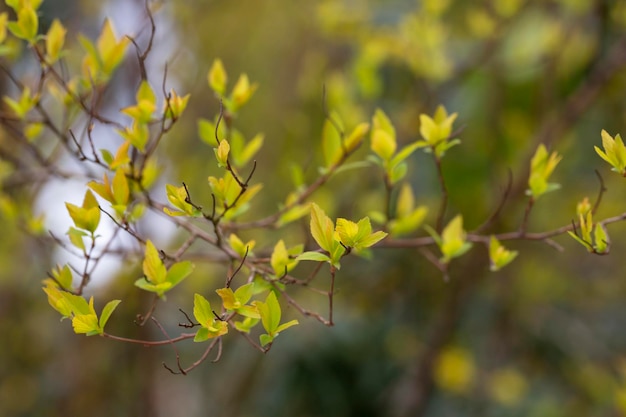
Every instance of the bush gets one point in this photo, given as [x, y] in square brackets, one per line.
[261, 245]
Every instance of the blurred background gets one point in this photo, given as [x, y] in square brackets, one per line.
[544, 337]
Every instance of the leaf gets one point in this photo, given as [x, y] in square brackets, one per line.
[57, 301]
[614, 152]
[121, 156]
[244, 293]
[86, 217]
[404, 153]
[380, 121]
[372, 239]
[242, 92]
[146, 285]
[322, 228]
[410, 223]
[285, 326]
[601, 239]
[55, 39]
[202, 310]
[313, 256]
[120, 188]
[251, 149]
[270, 313]
[228, 298]
[453, 242]
[153, 267]
[383, 144]
[201, 335]
[107, 311]
[175, 106]
[355, 138]
[221, 153]
[293, 214]
[87, 324]
[178, 272]
[28, 23]
[249, 311]
[266, 339]
[281, 259]
[331, 144]
[347, 231]
[499, 255]
[247, 324]
[217, 77]
[63, 276]
[110, 51]
[76, 238]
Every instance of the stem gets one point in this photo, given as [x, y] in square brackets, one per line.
[444, 195]
[148, 343]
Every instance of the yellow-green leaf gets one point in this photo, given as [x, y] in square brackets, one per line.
[322, 228]
[55, 39]
[217, 77]
[153, 267]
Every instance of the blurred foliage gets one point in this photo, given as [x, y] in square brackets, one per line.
[540, 338]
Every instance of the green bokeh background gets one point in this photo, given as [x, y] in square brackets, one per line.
[543, 337]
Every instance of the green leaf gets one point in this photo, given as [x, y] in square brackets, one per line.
[397, 173]
[371, 240]
[178, 272]
[313, 256]
[285, 326]
[404, 153]
[221, 153]
[146, 285]
[249, 311]
[202, 310]
[453, 242]
[218, 77]
[281, 259]
[383, 144]
[614, 152]
[107, 311]
[28, 23]
[331, 144]
[322, 228]
[499, 255]
[247, 324]
[202, 334]
[380, 121]
[76, 238]
[409, 223]
[228, 298]
[251, 149]
[355, 138]
[87, 324]
[58, 301]
[242, 91]
[153, 267]
[270, 313]
[55, 39]
[347, 231]
[63, 276]
[206, 130]
[119, 188]
[266, 339]
[86, 217]
[541, 166]
[293, 214]
[244, 293]
[238, 245]
[601, 239]
[110, 51]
